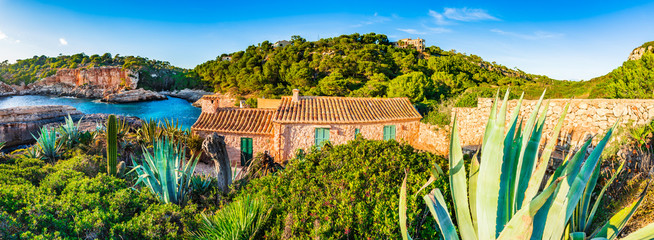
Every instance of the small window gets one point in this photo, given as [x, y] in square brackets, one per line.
[322, 136]
[389, 132]
[356, 132]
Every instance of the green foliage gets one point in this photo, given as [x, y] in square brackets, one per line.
[159, 221]
[69, 132]
[345, 191]
[508, 206]
[153, 74]
[413, 85]
[112, 146]
[165, 171]
[149, 132]
[634, 79]
[241, 219]
[48, 144]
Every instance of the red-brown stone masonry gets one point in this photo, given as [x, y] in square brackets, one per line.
[290, 137]
[260, 144]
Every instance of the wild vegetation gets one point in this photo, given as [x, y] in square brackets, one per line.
[509, 206]
[153, 74]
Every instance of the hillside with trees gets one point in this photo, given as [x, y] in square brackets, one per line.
[154, 74]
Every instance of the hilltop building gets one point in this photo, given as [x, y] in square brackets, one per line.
[282, 126]
[418, 43]
[282, 43]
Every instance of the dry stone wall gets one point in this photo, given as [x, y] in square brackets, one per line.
[586, 117]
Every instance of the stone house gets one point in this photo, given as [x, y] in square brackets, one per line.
[300, 122]
[282, 43]
[418, 43]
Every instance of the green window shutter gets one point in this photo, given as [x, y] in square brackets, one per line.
[322, 136]
[246, 151]
[389, 132]
[356, 132]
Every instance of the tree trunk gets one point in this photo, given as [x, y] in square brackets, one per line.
[214, 147]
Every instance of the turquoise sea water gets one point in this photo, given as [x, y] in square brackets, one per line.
[173, 108]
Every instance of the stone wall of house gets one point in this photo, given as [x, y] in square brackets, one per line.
[260, 144]
[431, 138]
[585, 117]
[290, 137]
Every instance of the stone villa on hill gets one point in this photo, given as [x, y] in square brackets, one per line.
[281, 127]
[418, 43]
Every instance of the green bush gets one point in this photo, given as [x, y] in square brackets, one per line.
[166, 221]
[345, 191]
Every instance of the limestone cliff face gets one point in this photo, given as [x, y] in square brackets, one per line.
[87, 83]
[17, 125]
[638, 52]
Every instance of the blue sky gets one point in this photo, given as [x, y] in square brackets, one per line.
[574, 40]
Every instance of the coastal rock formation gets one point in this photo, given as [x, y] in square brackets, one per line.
[638, 52]
[7, 90]
[85, 83]
[18, 124]
[137, 95]
[191, 95]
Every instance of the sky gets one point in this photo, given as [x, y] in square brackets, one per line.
[567, 40]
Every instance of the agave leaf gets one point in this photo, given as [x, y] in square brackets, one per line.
[489, 176]
[438, 209]
[491, 119]
[554, 228]
[521, 224]
[554, 205]
[591, 216]
[459, 187]
[434, 172]
[472, 189]
[578, 236]
[403, 227]
[646, 233]
[505, 201]
[581, 212]
[537, 177]
[529, 158]
[617, 222]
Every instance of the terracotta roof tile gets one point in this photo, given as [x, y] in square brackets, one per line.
[236, 120]
[344, 110]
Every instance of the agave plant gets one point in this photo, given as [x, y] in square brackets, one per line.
[2, 145]
[239, 220]
[48, 144]
[165, 171]
[501, 199]
[69, 131]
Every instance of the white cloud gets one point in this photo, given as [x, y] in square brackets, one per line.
[438, 18]
[451, 15]
[533, 36]
[63, 41]
[468, 14]
[3, 36]
[438, 29]
[372, 20]
[411, 31]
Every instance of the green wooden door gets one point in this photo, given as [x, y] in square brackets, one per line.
[322, 136]
[389, 132]
[246, 151]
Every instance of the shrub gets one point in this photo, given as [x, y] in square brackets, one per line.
[159, 221]
[240, 219]
[344, 191]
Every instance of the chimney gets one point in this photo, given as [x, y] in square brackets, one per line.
[296, 96]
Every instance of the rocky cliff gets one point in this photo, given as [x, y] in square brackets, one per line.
[18, 124]
[86, 83]
[638, 52]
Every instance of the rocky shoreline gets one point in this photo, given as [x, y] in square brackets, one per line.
[18, 124]
[110, 84]
[191, 95]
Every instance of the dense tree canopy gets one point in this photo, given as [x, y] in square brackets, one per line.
[154, 74]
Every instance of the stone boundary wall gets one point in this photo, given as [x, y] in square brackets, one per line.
[585, 117]
[432, 138]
